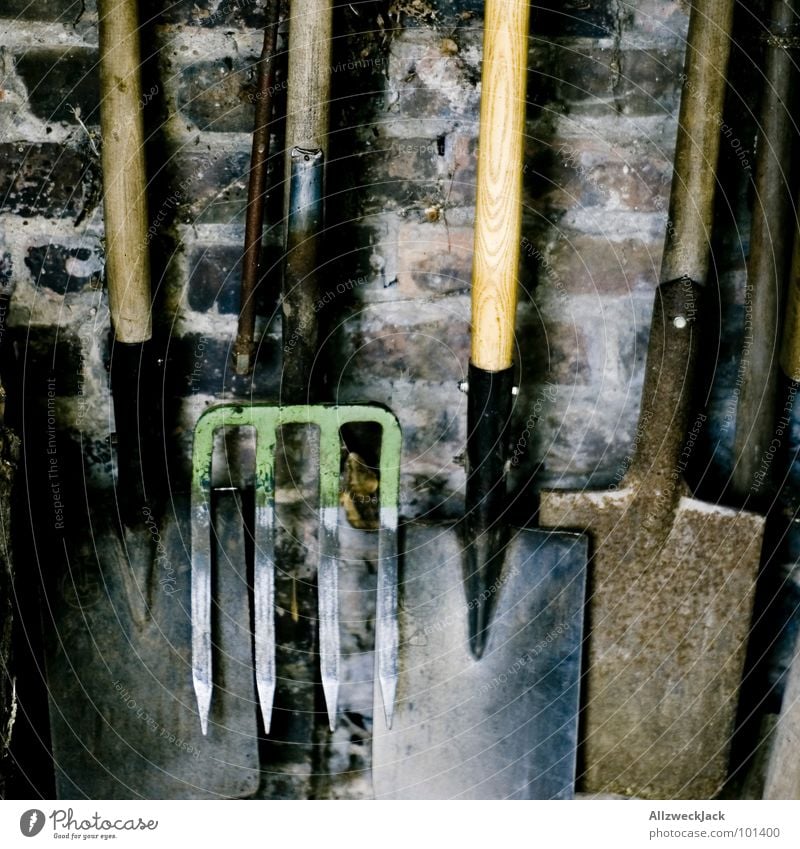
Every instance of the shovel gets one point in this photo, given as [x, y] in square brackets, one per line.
[766, 267]
[671, 577]
[121, 708]
[491, 625]
[783, 771]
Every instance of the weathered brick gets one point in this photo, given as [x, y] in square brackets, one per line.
[212, 186]
[404, 339]
[218, 96]
[400, 170]
[207, 13]
[51, 353]
[557, 351]
[433, 259]
[215, 278]
[657, 18]
[215, 275]
[602, 80]
[64, 269]
[561, 173]
[199, 364]
[60, 80]
[584, 265]
[574, 18]
[64, 11]
[48, 180]
[6, 269]
[432, 83]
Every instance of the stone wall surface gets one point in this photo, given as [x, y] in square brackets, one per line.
[603, 99]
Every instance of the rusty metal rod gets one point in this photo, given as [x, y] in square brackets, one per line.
[256, 193]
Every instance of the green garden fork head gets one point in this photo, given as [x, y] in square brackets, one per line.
[265, 419]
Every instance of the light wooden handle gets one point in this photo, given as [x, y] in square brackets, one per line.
[124, 180]
[498, 206]
[691, 208]
[308, 76]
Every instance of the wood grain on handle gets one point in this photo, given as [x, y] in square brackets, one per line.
[691, 205]
[124, 181]
[498, 206]
[308, 77]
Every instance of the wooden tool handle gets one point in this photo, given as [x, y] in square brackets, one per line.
[790, 346]
[691, 205]
[308, 76]
[124, 181]
[498, 207]
[670, 373]
[766, 266]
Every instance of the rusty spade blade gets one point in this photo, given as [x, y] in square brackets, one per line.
[672, 577]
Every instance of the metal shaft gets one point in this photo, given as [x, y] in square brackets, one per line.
[300, 300]
[254, 223]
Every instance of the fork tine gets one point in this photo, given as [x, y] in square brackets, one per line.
[264, 578]
[327, 573]
[386, 629]
[201, 605]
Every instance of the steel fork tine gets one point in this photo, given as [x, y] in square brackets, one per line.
[264, 574]
[266, 419]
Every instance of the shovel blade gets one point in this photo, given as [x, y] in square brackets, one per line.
[504, 726]
[668, 626]
[122, 708]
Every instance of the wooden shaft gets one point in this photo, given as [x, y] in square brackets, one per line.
[770, 242]
[124, 181]
[498, 205]
[691, 207]
[308, 77]
[790, 346]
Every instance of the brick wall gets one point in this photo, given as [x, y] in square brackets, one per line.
[604, 92]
